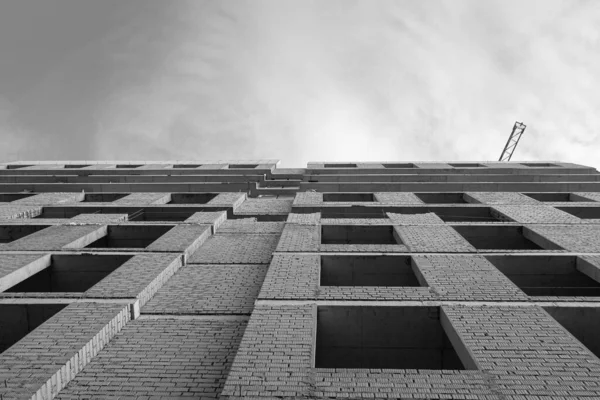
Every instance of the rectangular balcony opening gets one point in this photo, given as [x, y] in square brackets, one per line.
[8, 197]
[581, 322]
[539, 165]
[358, 234]
[349, 197]
[465, 214]
[389, 271]
[555, 197]
[383, 338]
[76, 166]
[129, 165]
[582, 212]
[70, 273]
[405, 165]
[130, 236]
[18, 166]
[191, 198]
[441, 198]
[18, 320]
[242, 166]
[103, 197]
[340, 165]
[496, 237]
[10, 233]
[547, 275]
[187, 165]
[352, 212]
[466, 165]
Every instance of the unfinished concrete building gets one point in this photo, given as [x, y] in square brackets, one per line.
[241, 280]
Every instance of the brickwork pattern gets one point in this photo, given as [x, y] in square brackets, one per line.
[236, 249]
[415, 219]
[250, 227]
[51, 238]
[264, 207]
[138, 278]
[44, 361]
[137, 199]
[285, 334]
[196, 288]
[577, 238]
[214, 218]
[167, 364]
[499, 198]
[304, 219]
[527, 352]
[13, 212]
[209, 289]
[433, 239]
[97, 219]
[228, 200]
[397, 198]
[300, 238]
[536, 214]
[308, 198]
[49, 199]
[13, 265]
[454, 277]
[182, 239]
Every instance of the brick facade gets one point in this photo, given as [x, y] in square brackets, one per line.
[224, 280]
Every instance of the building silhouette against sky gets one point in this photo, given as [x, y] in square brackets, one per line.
[241, 280]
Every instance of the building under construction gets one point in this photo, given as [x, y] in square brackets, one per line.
[241, 280]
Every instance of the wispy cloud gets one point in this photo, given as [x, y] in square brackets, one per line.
[322, 80]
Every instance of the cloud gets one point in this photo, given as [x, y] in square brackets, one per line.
[339, 80]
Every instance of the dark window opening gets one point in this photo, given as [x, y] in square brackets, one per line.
[496, 237]
[391, 271]
[191, 198]
[242, 166]
[582, 212]
[76, 165]
[129, 166]
[547, 275]
[441, 198]
[340, 165]
[383, 337]
[352, 212]
[406, 165]
[358, 234]
[71, 273]
[348, 197]
[64, 212]
[8, 197]
[103, 197]
[466, 165]
[130, 236]
[17, 166]
[10, 233]
[465, 214]
[554, 197]
[539, 165]
[187, 165]
[581, 322]
[18, 320]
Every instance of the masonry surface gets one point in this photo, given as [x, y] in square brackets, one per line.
[241, 280]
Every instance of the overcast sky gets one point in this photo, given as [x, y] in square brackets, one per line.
[299, 80]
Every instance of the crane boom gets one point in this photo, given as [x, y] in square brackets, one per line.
[513, 140]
